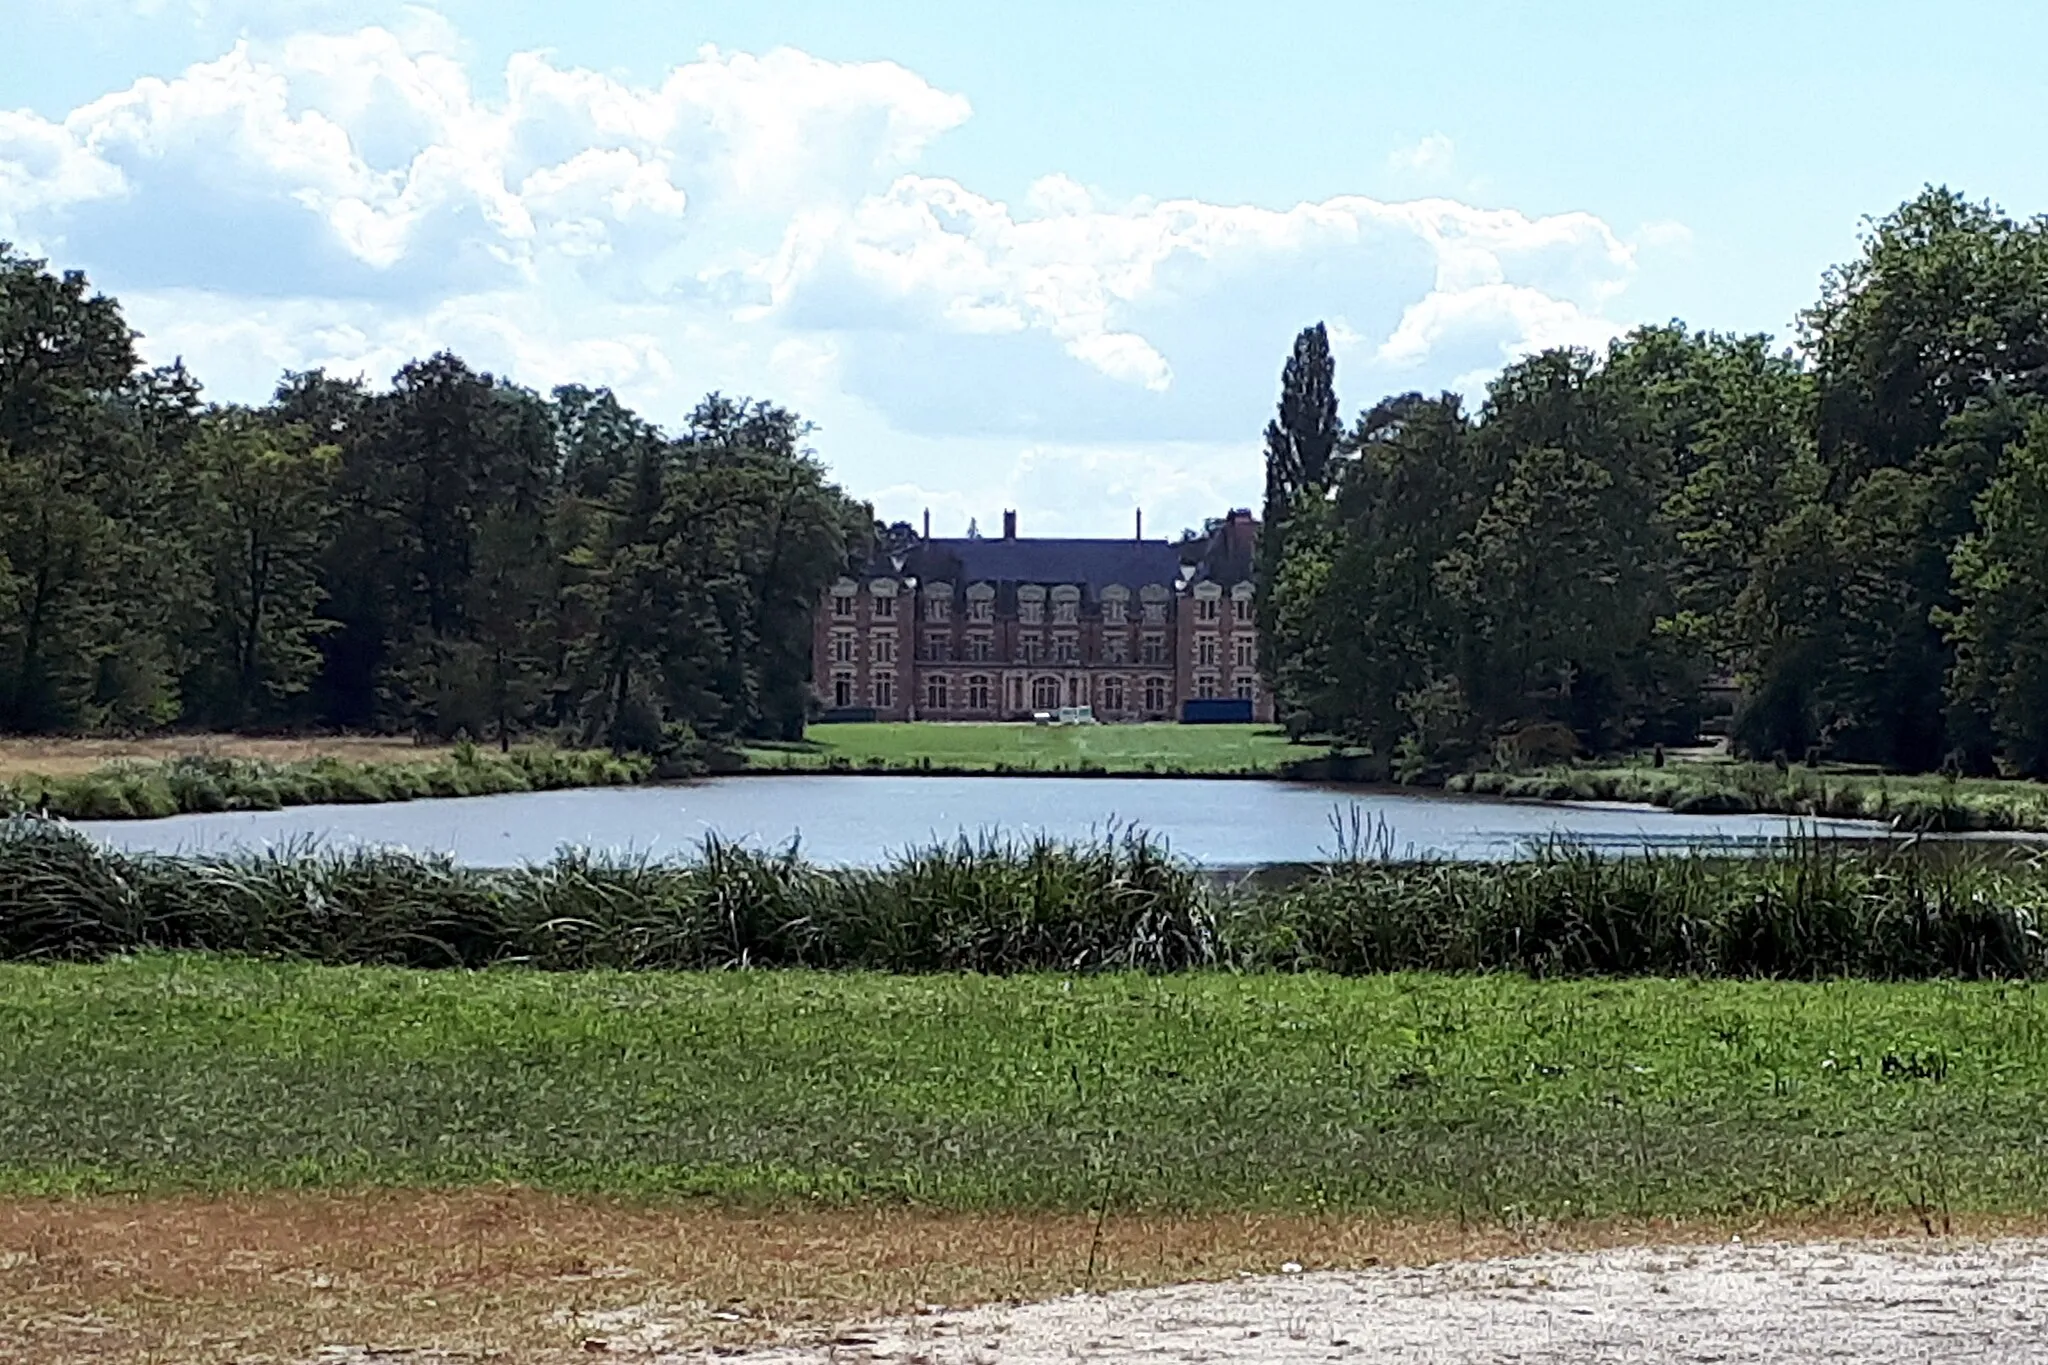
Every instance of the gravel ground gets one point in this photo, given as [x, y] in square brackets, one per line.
[1871, 1304]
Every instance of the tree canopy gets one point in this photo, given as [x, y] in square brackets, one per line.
[1847, 532]
[451, 554]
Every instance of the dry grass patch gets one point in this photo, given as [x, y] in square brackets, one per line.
[61, 757]
[520, 1276]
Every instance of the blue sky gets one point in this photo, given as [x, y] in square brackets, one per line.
[1045, 255]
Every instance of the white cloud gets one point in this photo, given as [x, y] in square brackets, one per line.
[759, 223]
[1432, 156]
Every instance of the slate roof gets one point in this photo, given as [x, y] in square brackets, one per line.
[1093, 564]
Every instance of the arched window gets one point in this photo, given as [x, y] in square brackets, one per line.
[935, 692]
[1112, 695]
[1045, 694]
[977, 693]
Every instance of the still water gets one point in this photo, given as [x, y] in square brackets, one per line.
[861, 820]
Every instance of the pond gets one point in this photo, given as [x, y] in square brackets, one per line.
[851, 821]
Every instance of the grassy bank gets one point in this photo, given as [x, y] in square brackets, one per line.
[147, 788]
[1918, 803]
[1488, 1097]
[1159, 750]
[1811, 911]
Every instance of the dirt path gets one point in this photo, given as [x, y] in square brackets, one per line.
[518, 1277]
[1873, 1305]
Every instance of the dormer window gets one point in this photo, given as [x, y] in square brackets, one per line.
[981, 602]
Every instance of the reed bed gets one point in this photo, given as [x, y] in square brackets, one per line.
[1930, 804]
[1121, 902]
[148, 789]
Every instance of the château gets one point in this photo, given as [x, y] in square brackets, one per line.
[986, 628]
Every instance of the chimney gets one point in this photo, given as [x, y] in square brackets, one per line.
[1141, 523]
[927, 523]
[1240, 532]
[1009, 525]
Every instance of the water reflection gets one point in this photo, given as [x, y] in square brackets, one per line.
[851, 821]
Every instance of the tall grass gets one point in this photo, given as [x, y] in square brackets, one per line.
[1933, 804]
[1117, 903]
[150, 789]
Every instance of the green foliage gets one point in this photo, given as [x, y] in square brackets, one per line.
[454, 555]
[1929, 804]
[149, 790]
[1850, 539]
[2000, 626]
[1301, 440]
[1490, 1098]
[1117, 903]
[264, 510]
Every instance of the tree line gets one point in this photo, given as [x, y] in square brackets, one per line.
[454, 554]
[1852, 534]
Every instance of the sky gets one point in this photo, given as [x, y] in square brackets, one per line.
[1048, 256]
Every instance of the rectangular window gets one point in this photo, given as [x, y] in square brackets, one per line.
[885, 690]
[1155, 694]
[842, 604]
[1155, 613]
[1247, 688]
[1113, 613]
[1068, 649]
[885, 608]
[981, 648]
[1247, 653]
[1205, 608]
[842, 689]
[1030, 611]
[1205, 685]
[882, 648]
[1016, 694]
[1116, 649]
[1242, 608]
[937, 647]
[935, 693]
[981, 609]
[1030, 646]
[977, 694]
[938, 608]
[1205, 650]
[1065, 613]
[842, 646]
[1153, 650]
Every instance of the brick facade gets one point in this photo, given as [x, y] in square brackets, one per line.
[986, 629]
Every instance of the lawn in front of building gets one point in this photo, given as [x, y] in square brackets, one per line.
[1163, 747]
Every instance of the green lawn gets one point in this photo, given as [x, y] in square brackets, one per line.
[1483, 1096]
[1151, 748]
